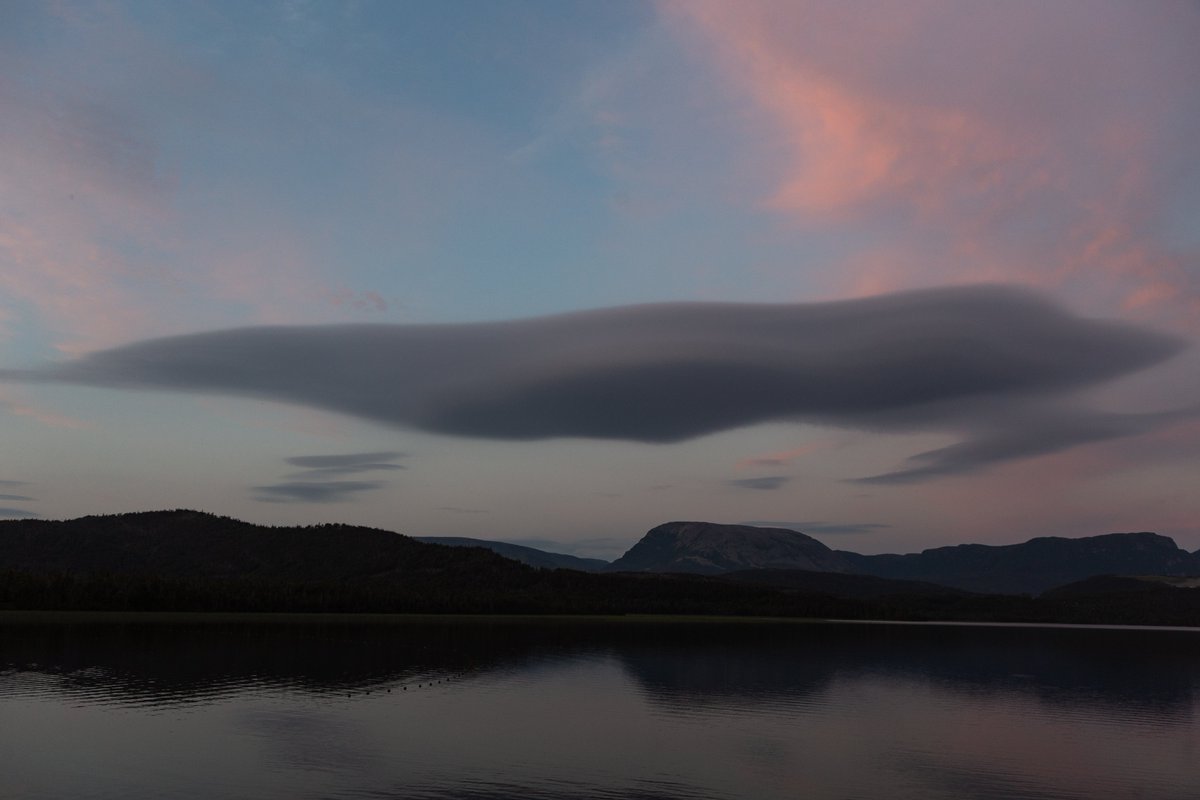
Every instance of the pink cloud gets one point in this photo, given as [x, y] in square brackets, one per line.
[80, 184]
[782, 457]
[1038, 142]
[11, 402]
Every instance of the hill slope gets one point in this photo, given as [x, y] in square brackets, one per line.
[526, 555]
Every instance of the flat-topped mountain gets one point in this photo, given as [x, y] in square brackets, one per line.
[706, 548]
[1033, 566]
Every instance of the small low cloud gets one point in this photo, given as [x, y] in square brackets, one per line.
[818, 528]
[17, 497]
[368, 301]
[346, 463]
[17, 512]
[781, 458]
[320, 481]
[13, 483]
[314, 491]
[765, 483]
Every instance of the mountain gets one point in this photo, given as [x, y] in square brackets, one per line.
[1028, 568]
[526, 555]
[706, 548]
[1033, 566]
[192, 561]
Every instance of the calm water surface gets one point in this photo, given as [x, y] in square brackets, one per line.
[596, 710]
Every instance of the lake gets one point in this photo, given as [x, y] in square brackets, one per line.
[391, 708]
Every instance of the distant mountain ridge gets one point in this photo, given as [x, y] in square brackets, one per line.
[543, 559]
[195, 546]
[188, 561]
[1031, 567]
[1034, 566]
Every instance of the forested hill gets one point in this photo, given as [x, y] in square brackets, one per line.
[192, 561]
[193, 544]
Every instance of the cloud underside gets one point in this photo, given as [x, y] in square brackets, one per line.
[983, 362]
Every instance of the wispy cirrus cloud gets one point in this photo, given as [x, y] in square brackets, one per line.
[984, 363]
[1051, 143]
[108, 208]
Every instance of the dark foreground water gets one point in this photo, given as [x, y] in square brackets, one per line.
[629, 710]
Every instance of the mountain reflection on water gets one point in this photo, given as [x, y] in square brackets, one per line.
[507, 708]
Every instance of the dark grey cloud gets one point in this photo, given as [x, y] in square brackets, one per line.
[765, 483]
[819, 528]
[941, 359]
[461, 510]
[314, 491]
[17, 512]
[18, 497]
[13, 483]
[1041, 431]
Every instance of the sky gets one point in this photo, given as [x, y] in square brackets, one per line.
[895, 274]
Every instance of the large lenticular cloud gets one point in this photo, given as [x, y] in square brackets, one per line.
[992, 363]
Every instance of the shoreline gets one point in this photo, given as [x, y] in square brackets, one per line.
[13, 616]
[34, 617]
